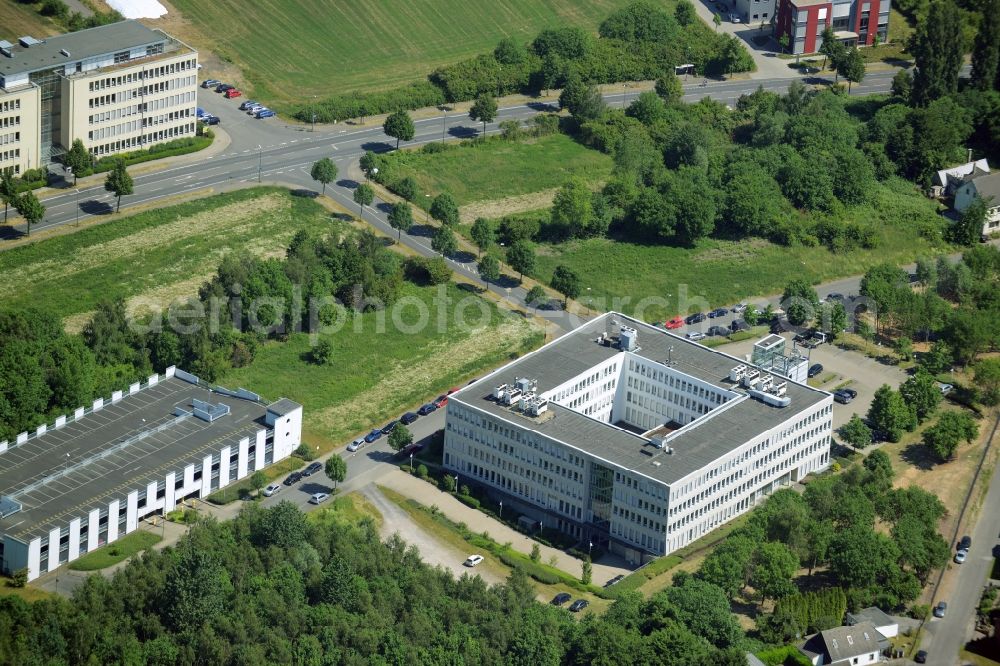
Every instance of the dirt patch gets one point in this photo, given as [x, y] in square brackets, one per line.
[446, 358]
[520, 203]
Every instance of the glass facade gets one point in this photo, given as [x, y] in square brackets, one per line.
[50, 112]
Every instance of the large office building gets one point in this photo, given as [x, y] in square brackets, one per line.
[633, 438]
[118, 87]
[91, 477]
[854, 22]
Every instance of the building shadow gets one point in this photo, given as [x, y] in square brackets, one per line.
[378, 146]
[93, 207]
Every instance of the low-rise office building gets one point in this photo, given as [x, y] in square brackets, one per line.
[91, 477]
[854, 22]
[117, 87]
[629, 437]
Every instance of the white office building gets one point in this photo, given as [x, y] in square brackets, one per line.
[91, 477]
[632, 438]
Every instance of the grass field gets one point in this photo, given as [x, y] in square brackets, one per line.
[496, 169]
[113, 553]
[291, 50]
[379, 370]
[17, 19]
[158, 255]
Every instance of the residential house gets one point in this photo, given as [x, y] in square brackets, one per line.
[948, 180]
[858, 645]
[885, 625]
[988, 189]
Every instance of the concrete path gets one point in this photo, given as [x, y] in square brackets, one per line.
[428, 495]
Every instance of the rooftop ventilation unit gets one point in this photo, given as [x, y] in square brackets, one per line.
[534, 405]
[738, 373]
[750, 378]
[628, 339]
[206, 411]
[500, 391]
[525, 384]
[28, 41]
[511, 396]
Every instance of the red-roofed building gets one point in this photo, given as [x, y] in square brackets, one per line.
[854, 22]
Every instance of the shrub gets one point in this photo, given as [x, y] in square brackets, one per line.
[469, 501]
[406, 188]
[422, 471]
[19, 577]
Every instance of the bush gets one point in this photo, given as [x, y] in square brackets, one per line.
[304, 451]
[426, 270]
[469, 501]
[406, 188]
[19, 578]
[536, 571]
[422, 471]
[361, 105]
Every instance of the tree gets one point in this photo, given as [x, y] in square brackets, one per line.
[324, 171]
[484, 109]
[938, 46]
[30, 208]
[882, 285]
[717, 20]
[484, 234]
[773, 567]
[535, 296]
[729, 565]
[668, 85]
[401, 218]
[902, 85]
[406, 187]
[582, 100]
[684, 13]
[444, 209]
[572, 209]
[800, 301]
[509, 51]
[368, 163]
[119, 183]
[944, 436]
[77, 158]
[586, 573]
[986, 48]
[258, 480]
[489, 268]
[921, 393]
[521, 257]
[856, 433]
[987, 380]
[938, 359]
[833, 50]
[751, 315]
[336, 469]
[904, 347]
[833, 319]
[399, 126]
[364, 195]
[969, 227]
[400, 437]
[566, 282]
[444, 241]
[704, 609]
[8, 190]
[889, 415]
[647, 108]
[853, 67]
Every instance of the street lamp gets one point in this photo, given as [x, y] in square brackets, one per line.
[456, 484]
[590, 544]
[411, 463]
[260, 161]
[78, 206]
[501, 509]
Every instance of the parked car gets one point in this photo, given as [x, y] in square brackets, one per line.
[674, 323]
[738, 325]
[356, 444]
[427, 409]
[739, 307]
[373, 435]
[223, 87]
[695, 318]
[718, 312]
[473, 560]
[843, 397]
[941, 609]
[965, 543]
[734, 18]
[561, 598]
[851, 392]
[232, 93]
[441, 401]
[721, 331]
[945, 388]
[455, 390]
[293, 478]
[312, 468]
[920, 657]
[834, 296]
[210, 83]
[617, 579]
[579, 605]
[245, 106]
[815, 369]
[960, 556]
[318, 498]
[264, 113]
[200, 113]
[695, 336]
[408, 418]
[211, 120]
[389, 427]
[253, 108]
[271, 489]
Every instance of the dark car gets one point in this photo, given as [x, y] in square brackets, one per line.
[920, 657]
[739, 325]
[851, 392]
[718, 330]
[617, 579]
[389, 427]
[843, 397]
[210, 83]
[815, 369]
[427, 409]
[965, 543]
[373, 435]
[561, 598]
[264, 113]
[247, 104]
[408, 418]
[718, 312]
[941, 609]
[293, 478]
[223, 87]
[835, 296]
[579, 605]
[312, 468]
[211, 120]
[697, 317]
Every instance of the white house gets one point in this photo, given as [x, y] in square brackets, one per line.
[950, 179]
[846, 646]
[988, 189]
[885, 625]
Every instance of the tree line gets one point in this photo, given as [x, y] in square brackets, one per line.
[635, 43]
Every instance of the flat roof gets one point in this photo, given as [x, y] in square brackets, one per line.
[81, 45]
[809, 3]
[86, 464]
[696, 445]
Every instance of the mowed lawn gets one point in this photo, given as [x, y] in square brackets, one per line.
[155, 256]
[385, 362]
[476, 171]
[290, 50]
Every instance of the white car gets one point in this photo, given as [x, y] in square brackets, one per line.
[734, 18]
[356, 444]
[945, 388]
[695, 335]
[318, 498]
[739, 307]
[960, 556]
[272, 489]
[473, 560]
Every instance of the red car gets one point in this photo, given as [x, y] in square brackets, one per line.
[441, 401]
[232, 92]
[671, 324]
[450, 391]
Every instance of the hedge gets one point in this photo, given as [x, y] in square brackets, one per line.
[182, 146]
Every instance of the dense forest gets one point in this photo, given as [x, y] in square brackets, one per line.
[273, 587]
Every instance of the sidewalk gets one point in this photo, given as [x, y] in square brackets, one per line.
[428, 495]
